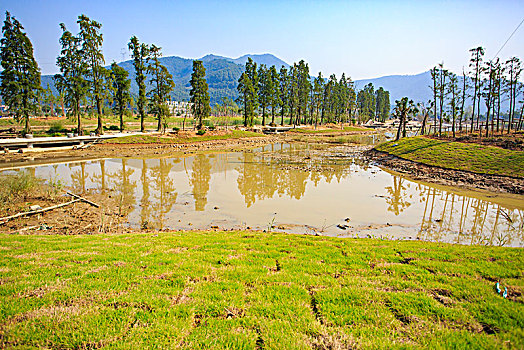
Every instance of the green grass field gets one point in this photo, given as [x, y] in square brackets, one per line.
[457, 155]
[150, 139]
[251, 290]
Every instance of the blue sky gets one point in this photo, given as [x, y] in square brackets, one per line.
[364, 39]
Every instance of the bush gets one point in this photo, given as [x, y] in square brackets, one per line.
[176, 128]
[211, 127]
[19, 186]
[56, 127]
[201, 132]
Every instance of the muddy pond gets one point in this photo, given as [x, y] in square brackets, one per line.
[295, 188]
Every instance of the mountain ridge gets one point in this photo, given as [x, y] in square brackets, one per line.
[222, 75]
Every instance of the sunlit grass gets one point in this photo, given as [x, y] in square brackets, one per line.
[457, 155]
[216, 290]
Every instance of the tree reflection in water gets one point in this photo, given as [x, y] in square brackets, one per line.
[164, 196]
[432, 213]
[200, 177]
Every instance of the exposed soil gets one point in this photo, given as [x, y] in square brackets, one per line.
[449, 177]
[73, 219]
[107, 150]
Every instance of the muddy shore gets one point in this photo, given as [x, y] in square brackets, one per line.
[113, 150]
[448, 177]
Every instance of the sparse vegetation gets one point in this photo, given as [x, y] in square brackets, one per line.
[217, 290]
[15, 189]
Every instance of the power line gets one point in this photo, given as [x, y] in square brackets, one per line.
[509, 38]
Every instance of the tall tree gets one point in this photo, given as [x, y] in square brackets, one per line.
[97, 76]
[443, 74]
[489, 92]
[274, 92]
[382, 104]
[293, 94]
[120, 91]
[248, 91]
[453, 101]
[162, 83]
[366, 102]
[464, 95]
[199, 92]
[140, 55]
[327, 99]
[475, 64]
[264, 90]
[514, 69]
[283, 80]
[71, 83]
[303, 88]
[434, 89]
[20, 76]
[318, 89]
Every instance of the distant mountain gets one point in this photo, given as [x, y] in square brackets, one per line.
[266, 58]
[416, 87]
[222, 74]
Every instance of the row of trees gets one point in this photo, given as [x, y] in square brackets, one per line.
[491, 81]
[83, 78]
[294, 94]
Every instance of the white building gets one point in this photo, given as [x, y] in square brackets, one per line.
[179, 107]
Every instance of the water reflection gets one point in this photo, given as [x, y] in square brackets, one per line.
[295, 188]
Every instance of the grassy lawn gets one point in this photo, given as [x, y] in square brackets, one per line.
[247, 290]
[326, 131]
[457, 155]
[147, 139]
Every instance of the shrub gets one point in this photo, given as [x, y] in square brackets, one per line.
[201, 132]
[19, 186]
[56, 127]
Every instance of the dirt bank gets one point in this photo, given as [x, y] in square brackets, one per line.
[449, 177]
[76, 218]
[108, 150]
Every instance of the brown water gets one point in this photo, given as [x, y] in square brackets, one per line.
[294, 188]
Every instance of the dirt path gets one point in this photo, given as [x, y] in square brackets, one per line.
[449, 177]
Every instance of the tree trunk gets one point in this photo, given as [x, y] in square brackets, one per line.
[399, 128]
[79, 120]
[519, 126]
[100, 128]
[121, 121]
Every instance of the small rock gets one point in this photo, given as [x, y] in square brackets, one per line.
[35, 207]
[216, 208]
